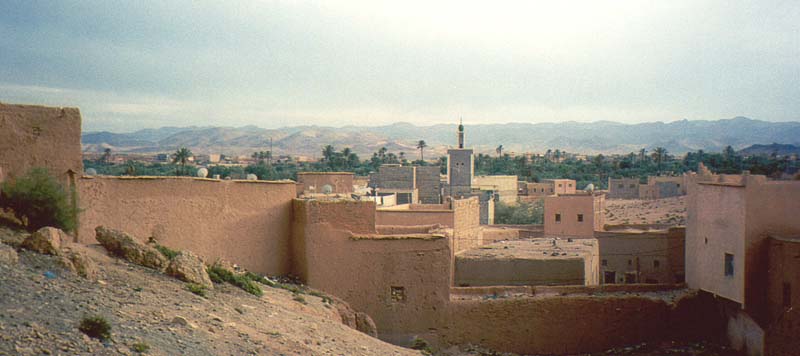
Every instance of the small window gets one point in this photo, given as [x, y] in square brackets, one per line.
[560, 185]
[679, 185]
[656, 263]
[570, 185]
[558, 218]
[787, 295]
[630, 262]
[580, 217]
[398, 294]
[605, 262]
[728, 265]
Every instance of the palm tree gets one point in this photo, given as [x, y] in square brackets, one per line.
[181, 156]
[499, 150]
[268, 156]
[659, 155]
[421, 147]
[328, 152]
[106, 155]
[557, 155]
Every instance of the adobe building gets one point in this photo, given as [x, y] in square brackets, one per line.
[325, 182]
[562, 186]
[642, 256]
[503, 187]
[729, 221]
[574, 215]
[659, 187]
[411, 184]
[43, 137]
[530, 262]
[783, 296]
[460, 168]
[623, 188]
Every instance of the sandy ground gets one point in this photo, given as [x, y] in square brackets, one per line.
[661, 211]
[40, 315]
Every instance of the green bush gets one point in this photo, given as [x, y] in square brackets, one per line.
[218, 274]
[520, 214]
[96, 327]
[140, 347]
[166, 251]
[40, 200]
[195, 288]
[422, 345]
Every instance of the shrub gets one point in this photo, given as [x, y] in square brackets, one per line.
[219, 274]
[422, 345]
[522, 213]
[166, 251]
[299, 298]
[96, 327]
[38, 198]
[195, 288]
[140, 347]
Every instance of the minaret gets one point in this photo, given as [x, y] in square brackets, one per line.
[460, 167]
[460, 133]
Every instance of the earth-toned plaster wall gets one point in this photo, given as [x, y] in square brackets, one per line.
[244, 222]
[565, 324]
[38, 136]
[783, 296]
[340, 182]
[401, 281]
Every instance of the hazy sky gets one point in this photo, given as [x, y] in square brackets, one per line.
[136, 64]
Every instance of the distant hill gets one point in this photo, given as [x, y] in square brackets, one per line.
[766, 150]
[598, 137]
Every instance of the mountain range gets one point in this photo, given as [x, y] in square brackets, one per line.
[588, 138]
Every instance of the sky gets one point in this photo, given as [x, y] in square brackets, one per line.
[143, 64]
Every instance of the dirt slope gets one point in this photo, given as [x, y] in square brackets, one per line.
[40, 314]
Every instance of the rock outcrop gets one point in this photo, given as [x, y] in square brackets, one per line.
[356, 320]
[47, 240]
[8, 256]
[126, 246]
[79, 262]
[188, 267]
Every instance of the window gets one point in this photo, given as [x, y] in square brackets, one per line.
[605, 262]
[609, 277]
[558, 218]
[656, 263]
[580, 217]
[630, 262]
[679, 185]
[570, 185]
[728, 265]
[787, 295]
[633, 185]
[398, 294]
[560, 185]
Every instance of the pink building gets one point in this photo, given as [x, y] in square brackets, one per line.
[575, 215]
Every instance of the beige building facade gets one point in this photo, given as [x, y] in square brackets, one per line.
[574, 215]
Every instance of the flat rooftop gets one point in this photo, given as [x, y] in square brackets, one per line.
[542, 248]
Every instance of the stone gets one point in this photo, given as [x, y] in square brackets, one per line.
[8, 256]
[181, 321]
[366, 325]
[188, 267]
[126, 246]
[47, 240]
[81, 263]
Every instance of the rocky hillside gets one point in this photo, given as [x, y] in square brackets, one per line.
[44, 299]
[596, 137]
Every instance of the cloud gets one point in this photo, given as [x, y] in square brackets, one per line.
[274, 63]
